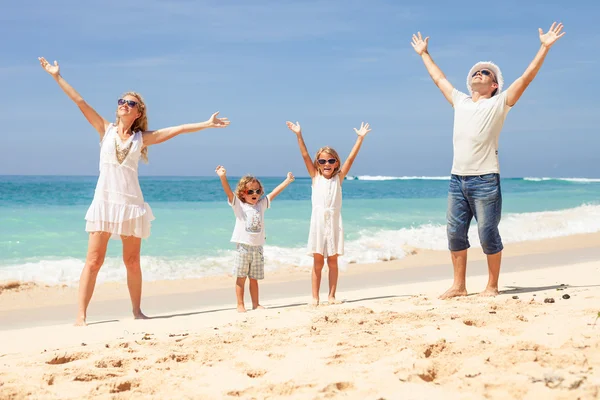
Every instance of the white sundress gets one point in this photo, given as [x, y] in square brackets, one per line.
[118, 206]
[326, 235]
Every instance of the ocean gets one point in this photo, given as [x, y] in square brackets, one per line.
[42, 236]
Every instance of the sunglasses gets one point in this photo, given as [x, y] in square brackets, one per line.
[323, 161]
[130, 103]
[484, 72]
[251, 192]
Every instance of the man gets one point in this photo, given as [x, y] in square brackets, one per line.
[475, 183]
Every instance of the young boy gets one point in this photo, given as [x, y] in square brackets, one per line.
[249, 232]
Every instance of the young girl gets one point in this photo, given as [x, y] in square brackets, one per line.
[326, 237]
[249, 232]
[118, 209]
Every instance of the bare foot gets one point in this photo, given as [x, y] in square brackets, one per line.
[258, 307]
[489, 292]
[332, 300]
[241, 308]
[454, 292]
[314, 303]
[80, 321]
[139, 315]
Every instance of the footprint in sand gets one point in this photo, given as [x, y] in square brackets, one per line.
[337, 387]
[67, 358]
[257, 373]
[109, 363]
[473, 322]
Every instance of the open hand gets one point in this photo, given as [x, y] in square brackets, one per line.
[419, 44]
[294, 127]
[220, 170]
[53, 70]
[553, 34]
[215, 122]
[290, 177]
[364, 129]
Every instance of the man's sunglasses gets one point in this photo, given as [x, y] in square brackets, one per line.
[484, 72]
[323, 161]
[130, 103]
[251, 192]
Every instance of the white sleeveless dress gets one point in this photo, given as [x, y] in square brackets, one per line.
[326, 235]
[118, 206]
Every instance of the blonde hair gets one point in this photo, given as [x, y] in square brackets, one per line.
[241, 186]
[141, 123]
[335, 155]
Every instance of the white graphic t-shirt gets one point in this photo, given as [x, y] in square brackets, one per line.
[249, 221]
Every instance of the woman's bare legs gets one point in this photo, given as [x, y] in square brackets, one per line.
[131, 257]
[97, 244]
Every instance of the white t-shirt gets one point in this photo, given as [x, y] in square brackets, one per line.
[477, 127]
[249, 221]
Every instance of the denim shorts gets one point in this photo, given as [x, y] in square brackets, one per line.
[476, 196]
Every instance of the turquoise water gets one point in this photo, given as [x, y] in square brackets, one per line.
[42, 223]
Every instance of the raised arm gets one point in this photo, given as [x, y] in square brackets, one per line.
[305, 156]
[220, 170]
[420, 46]
[362, 132]
[282, 185]
[515, 91]
[99, 123]
[162, 135]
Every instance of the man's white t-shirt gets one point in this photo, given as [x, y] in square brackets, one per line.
[477, 127]
[249, 221]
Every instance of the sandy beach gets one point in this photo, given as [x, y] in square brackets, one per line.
[391, 338]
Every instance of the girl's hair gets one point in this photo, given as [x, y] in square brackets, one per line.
[141, 123]
[241, 186]
[331, 151]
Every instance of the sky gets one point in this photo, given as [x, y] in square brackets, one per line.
[328, 64]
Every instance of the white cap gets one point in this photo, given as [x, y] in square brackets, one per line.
[486, 65]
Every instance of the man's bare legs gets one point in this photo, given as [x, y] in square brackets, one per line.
[494, 261]
[97, 244]
[459, 287]
[332, 264]
[131, 257]
[459, 262]
[318, 262]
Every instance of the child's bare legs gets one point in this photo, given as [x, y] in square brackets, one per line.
[239, 293]
[318, 262]
[332, 264]
[131, 257]
[97, 244]
[254, 294]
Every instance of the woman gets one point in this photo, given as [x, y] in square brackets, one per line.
[118, 208]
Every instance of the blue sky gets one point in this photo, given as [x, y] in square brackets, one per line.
[328, 64]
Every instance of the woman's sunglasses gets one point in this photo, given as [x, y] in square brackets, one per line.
[251, 192]
[130, 103]
[323, 161]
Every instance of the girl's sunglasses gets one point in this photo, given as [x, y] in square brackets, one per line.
[251, 192]
[323, 161]
[130, 103]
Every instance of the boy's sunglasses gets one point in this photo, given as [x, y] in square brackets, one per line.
[130, 103]
[483, 72]
[323, 161]
[250, 192]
